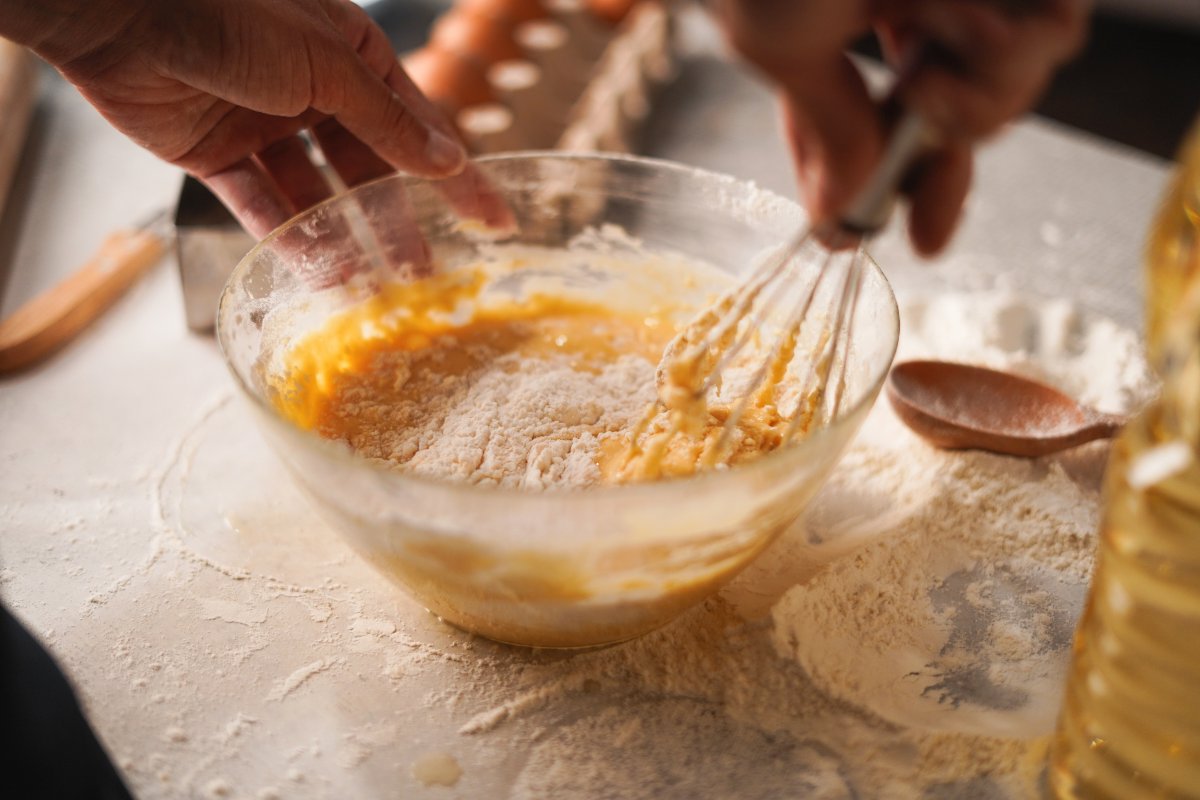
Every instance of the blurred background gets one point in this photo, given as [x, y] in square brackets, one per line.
[1136, 83]
[1133, 86]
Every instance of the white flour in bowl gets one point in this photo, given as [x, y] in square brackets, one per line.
[515, 422]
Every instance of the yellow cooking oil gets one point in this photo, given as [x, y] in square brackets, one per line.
[1130, 723]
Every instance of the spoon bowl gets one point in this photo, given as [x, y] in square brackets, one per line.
[964, 407]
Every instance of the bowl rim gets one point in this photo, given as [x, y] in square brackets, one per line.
[625, 490]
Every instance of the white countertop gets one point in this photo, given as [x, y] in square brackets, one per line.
[224, 642]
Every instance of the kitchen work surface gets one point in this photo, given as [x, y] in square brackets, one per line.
[907, 639]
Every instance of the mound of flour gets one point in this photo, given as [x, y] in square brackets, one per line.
[952, 607]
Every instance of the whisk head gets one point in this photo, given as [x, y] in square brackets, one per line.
[761, 366]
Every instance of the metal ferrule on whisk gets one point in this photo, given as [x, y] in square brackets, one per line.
[912, 137]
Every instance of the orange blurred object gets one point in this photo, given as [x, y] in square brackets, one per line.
[511, 12]
[611, 11]
[448, 79]
[472, 33]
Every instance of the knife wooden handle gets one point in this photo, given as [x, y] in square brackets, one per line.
[18, 84]
[49, 321]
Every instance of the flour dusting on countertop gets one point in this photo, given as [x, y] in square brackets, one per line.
[906, 640]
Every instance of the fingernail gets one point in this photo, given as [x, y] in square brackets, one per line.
[445, 153]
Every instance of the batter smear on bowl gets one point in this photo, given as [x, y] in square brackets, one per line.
[545, 387]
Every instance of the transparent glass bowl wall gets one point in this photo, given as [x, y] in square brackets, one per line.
[553, 568]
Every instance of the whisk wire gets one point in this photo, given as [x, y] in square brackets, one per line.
[825, 355]
[856, 267]
[773, 268]
[784, 340]
[693, 364]
[715, 329]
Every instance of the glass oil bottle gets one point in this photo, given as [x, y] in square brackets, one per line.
[1130, 724]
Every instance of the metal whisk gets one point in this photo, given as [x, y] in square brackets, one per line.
[814, 271]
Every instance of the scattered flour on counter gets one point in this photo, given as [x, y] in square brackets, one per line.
[958, 617]
[227, 611]
[239, 725]
[373, 627]
[217, 788]
[300, 677]
[1093, 359]
[437, 769]
[750, 763]
[906, 641]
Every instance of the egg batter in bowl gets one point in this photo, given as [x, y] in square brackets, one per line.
[524, 371]
[469, 430]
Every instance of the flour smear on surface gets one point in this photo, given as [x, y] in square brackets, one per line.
[907, 640]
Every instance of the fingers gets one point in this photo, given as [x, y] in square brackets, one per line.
[359, 92]
[298, 179]
[237, 134]
[836, 133]
[467, 191]
[937, 191]
[376, 52]
[981, 63]
[251, 195]
[368, 118]
[834, 128]
[473, 197]
[779, 35]
[376, 116]
[265, 190]
[392, 233]
[985, 62]
[838, 137]
[395, 236]
[354, 162]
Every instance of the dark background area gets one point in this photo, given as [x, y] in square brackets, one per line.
[1136, 82]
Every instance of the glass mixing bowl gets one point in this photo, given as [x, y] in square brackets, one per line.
[558, 568]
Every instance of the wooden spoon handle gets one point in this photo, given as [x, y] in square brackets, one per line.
[52, 319]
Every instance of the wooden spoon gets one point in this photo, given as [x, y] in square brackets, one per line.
[960, 407]
[52, 319]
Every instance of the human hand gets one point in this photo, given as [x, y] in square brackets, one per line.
[983, 63]
[222, 87]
